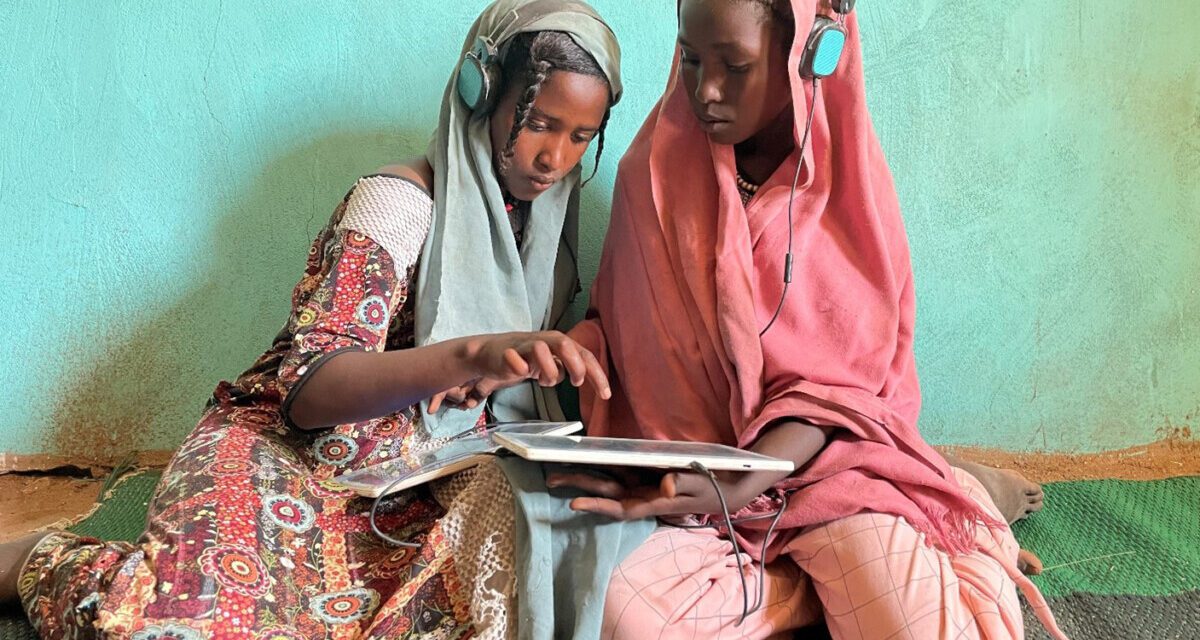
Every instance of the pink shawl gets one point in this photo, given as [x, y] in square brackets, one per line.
[688, 278]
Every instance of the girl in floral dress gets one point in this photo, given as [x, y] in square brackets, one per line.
[432, 275]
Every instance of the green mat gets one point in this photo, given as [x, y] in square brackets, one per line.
[1122, 558]
[122, 516]
[1116, 537]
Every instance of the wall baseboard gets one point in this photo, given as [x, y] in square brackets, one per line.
[1155, 461]
[40, 462]
[1163, 459]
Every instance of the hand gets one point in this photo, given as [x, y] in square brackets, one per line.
[466, 396]
[504, 360]
[627, 497]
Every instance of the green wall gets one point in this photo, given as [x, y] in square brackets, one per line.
[163, 167]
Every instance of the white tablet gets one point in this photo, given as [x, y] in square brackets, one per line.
[627, 452]
[459, 453]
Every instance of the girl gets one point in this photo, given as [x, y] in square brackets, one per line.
[716, 198]
[406, 293]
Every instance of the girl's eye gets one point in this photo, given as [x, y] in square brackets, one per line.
[537, 127]
[584, 139]
[738, 68]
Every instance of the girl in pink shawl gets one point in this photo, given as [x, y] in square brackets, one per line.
[876, 529]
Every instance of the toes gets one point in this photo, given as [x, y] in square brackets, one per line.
[1029, 563]
[1025, 511]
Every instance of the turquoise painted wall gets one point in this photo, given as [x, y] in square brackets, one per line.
[162, 168]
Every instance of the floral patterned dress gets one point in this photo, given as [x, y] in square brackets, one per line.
[246, 538]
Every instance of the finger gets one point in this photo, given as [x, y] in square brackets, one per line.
[543, 359]
[660, 506]
[568, 353]
[517, 365]
[689, 484]
[669, 485]
[634, 508]
[601, 506]
[435, 402]
[459, 397]
[1029, 563]
[595, 373]
[485, 388]
[604, 487]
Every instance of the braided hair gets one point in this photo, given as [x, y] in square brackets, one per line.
[531, 58]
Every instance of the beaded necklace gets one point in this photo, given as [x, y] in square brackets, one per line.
[746, 189]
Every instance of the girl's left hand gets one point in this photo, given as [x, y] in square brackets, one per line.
[467, 396]
[629, 498]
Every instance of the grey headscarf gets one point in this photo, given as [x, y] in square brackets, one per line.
[473, 278]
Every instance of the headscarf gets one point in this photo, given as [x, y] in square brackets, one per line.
[473, 277]
[689, 277]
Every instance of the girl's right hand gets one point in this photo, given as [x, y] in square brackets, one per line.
[505, 360]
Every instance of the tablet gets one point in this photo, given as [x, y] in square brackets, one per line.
[461, 452]
[665, 454]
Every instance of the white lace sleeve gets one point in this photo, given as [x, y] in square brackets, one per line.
[393, 212]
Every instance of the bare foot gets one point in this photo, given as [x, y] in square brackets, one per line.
[1014, 495]
[12, 557]
[1029, 563]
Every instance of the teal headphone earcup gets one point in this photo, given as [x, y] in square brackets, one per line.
[477, 77]
[472, 83]
[823, 50]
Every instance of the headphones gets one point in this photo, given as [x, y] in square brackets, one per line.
[820, 58]
[479, 73]
[826, 42]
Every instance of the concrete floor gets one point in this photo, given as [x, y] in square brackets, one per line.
[28, 503]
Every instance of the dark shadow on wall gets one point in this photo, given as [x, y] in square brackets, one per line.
[147, 389]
